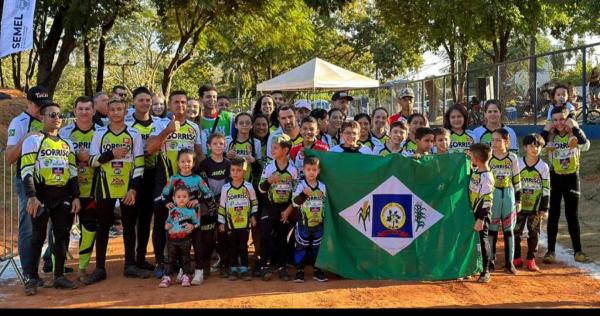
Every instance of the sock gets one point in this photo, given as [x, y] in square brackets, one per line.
[86, 246]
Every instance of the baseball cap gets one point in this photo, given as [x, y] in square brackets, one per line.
[39, 95]
[341, 95]
[407, 92]
[303, 104]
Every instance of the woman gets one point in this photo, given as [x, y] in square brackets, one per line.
[493, 118]
[379, 131]
[159, 108]
[365, 138]
[266, 105]
[336, 118]
[456, 121]
[193, 111]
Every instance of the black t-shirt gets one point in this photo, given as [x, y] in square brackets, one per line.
[216, 174]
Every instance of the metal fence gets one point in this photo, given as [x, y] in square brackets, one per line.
[9, 219]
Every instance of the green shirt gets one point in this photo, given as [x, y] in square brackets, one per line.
[81, 140]
[459, 143]
[506, 171]
[564, 160]
[535, 182]
[236, 205]
[223, 124]
[50, 160]
[145, 128]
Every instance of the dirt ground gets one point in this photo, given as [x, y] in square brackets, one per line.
[557, 286]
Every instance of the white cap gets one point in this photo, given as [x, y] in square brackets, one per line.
[299, 104]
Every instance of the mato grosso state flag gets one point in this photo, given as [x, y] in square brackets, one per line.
[397, 218]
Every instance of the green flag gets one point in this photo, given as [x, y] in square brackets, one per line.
[397, 218]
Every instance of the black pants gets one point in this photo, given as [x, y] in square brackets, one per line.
[145, 206]
[179, 255]
[532, 219]
[567, 187]
[59, 212]
[484, 245]
[274, 234]
[159, 234]
[204, 239]
[105, 213]
[238, 247]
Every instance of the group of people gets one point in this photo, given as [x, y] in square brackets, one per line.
[208, 179]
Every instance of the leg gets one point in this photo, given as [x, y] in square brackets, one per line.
[509, 216]
[266, 224]
[39, 227]
[242, 244]
[62, 220]
[105, 214]
[48, 259]
[89, 226]
[186, 261]
[494, 225]
[129, 215]
[519, 227]
[25, 230]
[556, 194]
[159, 235]
[171, 264]
[485, 246]
[302, 244]
[572, 192]
[206, 251]
[534, 225]
[145, 208]
[232, 249]
[197, 244]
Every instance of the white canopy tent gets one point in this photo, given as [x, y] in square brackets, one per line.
[317, 74]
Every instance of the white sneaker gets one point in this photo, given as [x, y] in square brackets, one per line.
[179, 276]
[198, 277]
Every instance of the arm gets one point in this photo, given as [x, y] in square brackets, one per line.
[516, 179]
[138, 162]
[16, 137]
[253, 201]
[484, 205]
[156, 140]
[264, 184]
[222, 210]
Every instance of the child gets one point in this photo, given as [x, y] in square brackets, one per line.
[350, 132]
[309, 197]
[507, 197]
[308, 130]
[456, 119]
[441, 140]
[481, 187]
[415, 122]
[241, 144]
[215, 169]
[560, 98]
[567, 142]
[366, 139]
[378, 131]
[278, 180]
[424, 141]
[200, 198]
[535, 186]
[179, 242]
[393, 145]
[237, 209]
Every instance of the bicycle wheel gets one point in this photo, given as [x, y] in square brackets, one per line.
[593, 117]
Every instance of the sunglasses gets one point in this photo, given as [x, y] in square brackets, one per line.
[55, 115]
[122, 95]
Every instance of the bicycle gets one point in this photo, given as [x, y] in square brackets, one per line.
[593, 117]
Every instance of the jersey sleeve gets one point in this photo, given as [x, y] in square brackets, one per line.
[222, 216]
[263, 184]
[228, 141]
[486, 196]
[298, 195]
[257, 149]
[15, 132]
[72, 160]
[198, 140]
[253, 200]
[95, 148]
[514, 144]
[516, 176]
[167, 190]
[138, 154]
[545, 174]
[29, 153]
[159, 126]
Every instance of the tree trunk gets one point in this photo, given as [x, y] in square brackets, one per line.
[167, 80]
[47, 49]
[16, 70]
[33, 56]
[67, 46]
[87, 67]
[2, 76]
[102, 53]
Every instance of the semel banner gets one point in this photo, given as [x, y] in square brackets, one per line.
[397, 218]
[16, 33]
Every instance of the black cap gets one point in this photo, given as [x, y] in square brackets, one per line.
[341, 95]
[39, 95]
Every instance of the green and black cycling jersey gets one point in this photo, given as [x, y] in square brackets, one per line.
[236, 205]
[535, 186]
[145, 128]
[81, 140]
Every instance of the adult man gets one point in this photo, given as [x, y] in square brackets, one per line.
[22, 126]
[169, 137]
[288, 125]
[223, 103]
[341, 101]
[406, 101]
[119, 92]
[117, 152]
[213, 120]
[145, 124]
[80, 134]
[50, 183]
[101, 108]
[302, 108]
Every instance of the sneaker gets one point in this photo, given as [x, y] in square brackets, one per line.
[549, 257]
[165, 282]
[485, 278]
[96, 276]
[63, 283]
[81, 275]
[531, 266]
[135, 272]
[31, 286]
[69, 270]
[114, 232]
[246, 276]
[319, 276]
[159, 270]
[518, 262]
[299, 278]
[145, 265]
[266, 273]
[185, 280]
[510, 268]
[233, 276]
[198, 277]
[283, 274]
[179, 276]
[580, 256]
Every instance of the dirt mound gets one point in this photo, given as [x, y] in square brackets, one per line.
[9, 109]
